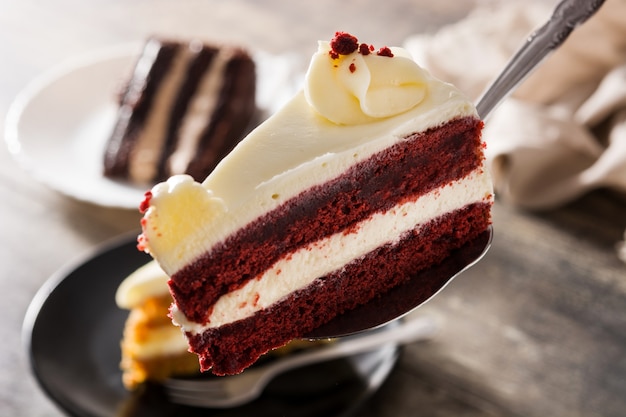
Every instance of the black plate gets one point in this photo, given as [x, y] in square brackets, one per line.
[72, 332]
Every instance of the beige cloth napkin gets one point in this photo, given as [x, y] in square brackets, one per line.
[563, 132]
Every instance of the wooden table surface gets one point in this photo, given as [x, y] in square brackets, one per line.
[537, 328]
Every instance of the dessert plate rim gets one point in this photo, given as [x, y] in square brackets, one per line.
[57, 126]
[76, 363]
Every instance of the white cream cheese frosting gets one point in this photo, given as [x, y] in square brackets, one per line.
[159, 342]
[297, 148]
[356, 88]
[145, 282]
[148, 282]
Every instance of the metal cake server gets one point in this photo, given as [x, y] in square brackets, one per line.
[567, 15]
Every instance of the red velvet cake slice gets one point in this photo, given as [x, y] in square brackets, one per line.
[371, 173]
[185, 107]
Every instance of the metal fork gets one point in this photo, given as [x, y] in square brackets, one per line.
[231, 391]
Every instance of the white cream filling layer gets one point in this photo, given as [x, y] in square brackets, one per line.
[147, 281]
[165, 341]
[300, 269]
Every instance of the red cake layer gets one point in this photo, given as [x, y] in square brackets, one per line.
[231, 348]
[407, 170]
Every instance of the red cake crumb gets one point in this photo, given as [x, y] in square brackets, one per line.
[145, 204]
[343, 44]
[365, 49]
[352, 67]
[385, 51]
[142, 243]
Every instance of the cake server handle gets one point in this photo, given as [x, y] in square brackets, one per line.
[567, 15]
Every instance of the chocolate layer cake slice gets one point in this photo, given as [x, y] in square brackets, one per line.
[186, 106]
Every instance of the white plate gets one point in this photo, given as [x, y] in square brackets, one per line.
[58, 126]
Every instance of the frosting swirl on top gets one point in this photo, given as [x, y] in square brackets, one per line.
[358, 87]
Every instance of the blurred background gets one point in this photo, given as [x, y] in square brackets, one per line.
[537, 328]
